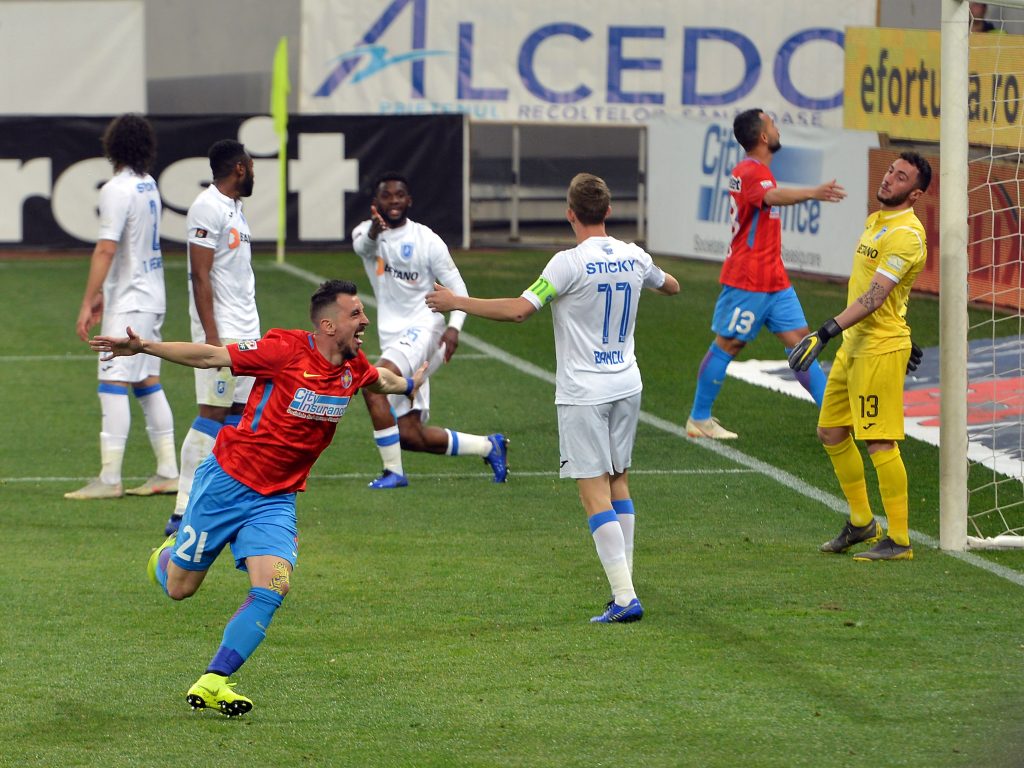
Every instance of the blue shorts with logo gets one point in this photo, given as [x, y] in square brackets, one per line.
[223, 511]
[740, 314]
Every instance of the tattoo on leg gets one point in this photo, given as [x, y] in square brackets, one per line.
[279, 581]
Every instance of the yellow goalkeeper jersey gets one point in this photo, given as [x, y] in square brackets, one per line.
[893, 244]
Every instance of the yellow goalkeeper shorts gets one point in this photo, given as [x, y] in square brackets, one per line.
[867, 394]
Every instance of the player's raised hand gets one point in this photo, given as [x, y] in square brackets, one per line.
[810, 346]
[440, 299]
[829, 192]
[916, 355]
[377, 223]
[111, 346]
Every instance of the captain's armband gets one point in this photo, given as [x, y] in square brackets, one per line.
[543, 290]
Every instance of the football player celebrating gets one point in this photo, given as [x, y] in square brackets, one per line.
[244, 492]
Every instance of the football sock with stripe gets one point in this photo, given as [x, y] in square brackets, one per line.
[626, 516]
[892, 485]
[161, 567]
[611, 550]
[245, 631]
[196, 446]
[813, 379]
[463, 444]
[159, 427]
[849, 467]
[116, 420]
[710, 377]
[390, 447]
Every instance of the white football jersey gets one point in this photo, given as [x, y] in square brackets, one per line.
[403, 264]
[595, 288]
[216, 221]
[130, 216]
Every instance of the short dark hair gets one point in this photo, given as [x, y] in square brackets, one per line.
[747, 128]
[326, 295]
[130, 142]
[387, 176]
[589, 197]
[225, 155]
[924, 169]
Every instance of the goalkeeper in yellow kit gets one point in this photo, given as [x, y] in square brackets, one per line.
[864, 394]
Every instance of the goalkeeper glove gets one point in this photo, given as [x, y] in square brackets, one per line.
[810, 346]
[916, 353]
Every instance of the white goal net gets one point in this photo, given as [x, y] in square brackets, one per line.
[982, 187]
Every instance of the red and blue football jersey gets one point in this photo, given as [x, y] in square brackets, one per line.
[292, 412]
[754, 261]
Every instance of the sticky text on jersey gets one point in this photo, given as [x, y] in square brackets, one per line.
[610, 267]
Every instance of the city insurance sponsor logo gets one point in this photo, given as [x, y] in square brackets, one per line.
[720, 153]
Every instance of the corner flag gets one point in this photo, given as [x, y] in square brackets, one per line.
[279, 89]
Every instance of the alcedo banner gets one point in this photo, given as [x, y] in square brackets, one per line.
[578, 61]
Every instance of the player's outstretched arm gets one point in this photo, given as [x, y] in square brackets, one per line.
[513, 310]
[670, 287]
[390, 383]
[180, 352]
[810, 346]
[829, 192]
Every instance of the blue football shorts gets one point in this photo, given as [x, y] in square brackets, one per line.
[741, 314]
[223, 511]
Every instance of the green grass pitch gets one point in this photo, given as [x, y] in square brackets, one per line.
[446, 624]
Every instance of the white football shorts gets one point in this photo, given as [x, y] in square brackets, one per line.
[137, 367]
[408, 350]
[597, 439]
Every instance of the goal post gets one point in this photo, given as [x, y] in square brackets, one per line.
[953, 496]
[981, 293]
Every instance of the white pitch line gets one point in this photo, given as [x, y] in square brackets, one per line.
[768, 470]
[92, 358]
[47, 358]
[413, 475]
[752, 464]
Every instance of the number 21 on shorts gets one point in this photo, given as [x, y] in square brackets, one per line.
[191, 538]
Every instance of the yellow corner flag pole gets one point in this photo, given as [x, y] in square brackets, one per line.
[279, 88]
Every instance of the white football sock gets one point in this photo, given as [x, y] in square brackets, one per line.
[111, 457]
[627, 523]
[196, 447]
[390, 448]
[463, 444]
[160, 428]
[611, 549]
[115, 421]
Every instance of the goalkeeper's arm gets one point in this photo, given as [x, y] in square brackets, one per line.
[810, 346]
